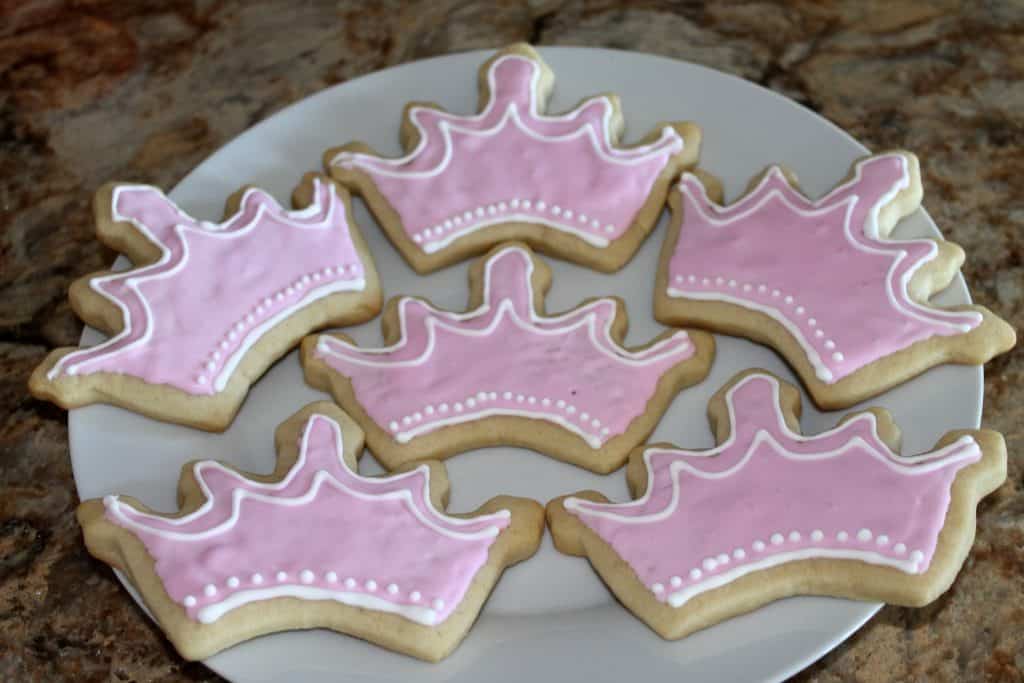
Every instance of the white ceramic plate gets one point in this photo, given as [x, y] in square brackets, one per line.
[550, 618]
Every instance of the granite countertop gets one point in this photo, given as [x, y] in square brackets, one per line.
[93, 90]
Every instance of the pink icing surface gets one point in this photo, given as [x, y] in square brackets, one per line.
[472, 171]
[190, 317]
[323, 518]
[709, 517]
[818, 266]
[504, 358]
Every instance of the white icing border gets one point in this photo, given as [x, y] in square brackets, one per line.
[134, 277]
[736, 212]
[214, 611]
[905, 465]
[670, 142]
[332, 346]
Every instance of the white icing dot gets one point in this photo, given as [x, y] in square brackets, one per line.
[762, 289]
[407, 420]
[758, 546]
[676, 581]
[493, 396]
[545, 402]
[900, 548]
[350, 583]
[709, 564]
[776, 293]
[692, 279]
[468, 215]
[812, 322]
[679, 278]
[527, 203]
[746, 288]
[305, 279]
[282, 577]
[306, 576]
[916, 556]
[427, 232]
[817, 535]
[448, 224]
[438, 604]
[492, 209]
[657, 588]
[190, 601]
[595, 423]
[800, 310]
[201, 379]
[507, 396]
[739, 554]
[415, 596]
[776, 539]
[210, 590]
[429, 410]
[609, 228]
[417, 416]
[239, 327]
[392, 589]
[556, 209]
[695, 573]
[560, 403]
[829, 344]
[257, 579]
[531, 399]
[394, 426]
[232, 335]
[457, 220]
[582, 218]
[541, 205]
[443, 408]
[371, 585]
[723, 558]
[289, 290]
[882, 540]
[837, 356]
[595, 224]
[605, 431]
[267, 302]
[567, 215]
[260, 309]
[457, 407]
[584, 416]
[480, 212]
[299, 286]
[316, 277]
[211, 366]
[216, 355]
[520, 398]
[332, 577]
[819, 334]
[470, 402]
[328, 271]
[482, 395]
[233, 582]
[842, 536]
[280, 296]
[794, 536]
[570, 409]
[705, 281]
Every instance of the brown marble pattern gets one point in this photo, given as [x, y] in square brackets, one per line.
[143, 90]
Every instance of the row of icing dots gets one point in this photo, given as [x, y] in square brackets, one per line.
[508, 397]
[538, 207]
[775, 296]
[865, 537]
[262, 309]
[308, 577]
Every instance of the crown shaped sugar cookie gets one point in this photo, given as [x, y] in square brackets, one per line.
[214, 305]
[313, 545]
[562, 183]
[821, 281]
[770, 513]
[505, 373]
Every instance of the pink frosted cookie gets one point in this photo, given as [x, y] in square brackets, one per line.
[506, 373]
[821, 281]
[561, 183]
[313, 545]
[209, 306]
[770, 513]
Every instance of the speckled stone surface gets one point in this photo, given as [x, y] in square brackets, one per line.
[97, 89]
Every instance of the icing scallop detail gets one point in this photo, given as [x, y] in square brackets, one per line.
[565, 369]
[560, 171]
[819, 268]
[380, 530]
[821, 496]
[217, 288]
